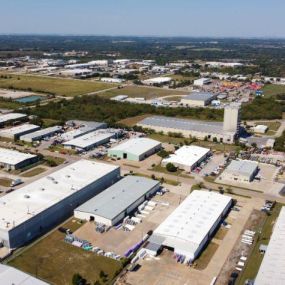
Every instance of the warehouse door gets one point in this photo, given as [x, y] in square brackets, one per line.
[125, 156]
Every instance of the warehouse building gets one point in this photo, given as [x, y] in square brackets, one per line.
[91, 140]
[271, 270]
[225, 132]
[187, 157]
[198, 99]
[118, 201]
[191, 225]
[80, 128]
[240, 171]
[41, 134]
[12, 276]
[136, 149]
[13, 159]
[157, 81]
[11, 117]
[16, 132]
[202, 81]
[36, 208]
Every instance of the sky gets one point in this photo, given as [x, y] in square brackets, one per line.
[196, 18]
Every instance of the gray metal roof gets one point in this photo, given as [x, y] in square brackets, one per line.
[41, 133]
[183, 124]
[200, 96]
[243, 167]
[117, 198]
[87, 125]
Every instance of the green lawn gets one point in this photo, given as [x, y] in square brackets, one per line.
[139, 91]
[273, 89]
[55, 261]
[56, 86]
[202, 262]
[53, 161]
[264, 231]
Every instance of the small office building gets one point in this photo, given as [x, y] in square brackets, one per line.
[135, 149]
[115, 203]
[187, 157]
[240, 171]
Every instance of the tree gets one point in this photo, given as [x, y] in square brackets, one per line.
[77, 279]
[170, 167]
[97, 282]
[215, 139]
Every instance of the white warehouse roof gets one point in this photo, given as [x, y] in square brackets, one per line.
[136, 146]
[11, 116]
[13, 157]
[187, 155]
[12, 276]
[28, 201]
[19, 129]
[271, 270]
[242, 167]
[187, 227]
[157, 80]
[90, 139]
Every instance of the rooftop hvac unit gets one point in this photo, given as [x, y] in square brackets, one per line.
[27, 196]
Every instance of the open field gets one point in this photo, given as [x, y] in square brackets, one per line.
[133, 120]
[6, 182]
[139, 91]
[34, 172]
[272, 127]
[273, 89]
[56, 86]
[55, 261]
[264, 231]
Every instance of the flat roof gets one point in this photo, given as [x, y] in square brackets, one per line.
[183, 124]
[91, 138]
[11, 116]
[41, 133]
[19, 129]
[187, 226]
[199, 96]
[30, 200]
[136, 146]
[12, 276]
[117, 198]
[242, 167]
[187, 155]
[271, 270]
[13, 157]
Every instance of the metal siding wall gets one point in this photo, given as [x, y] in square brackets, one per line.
[47, 219]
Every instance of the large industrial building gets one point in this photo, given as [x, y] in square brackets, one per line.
[41, 134]
[271, 270]
[36, 208]
[202, 81]
[80, 128]
[225, 132]
[192, 224]
[198, 99]
[157, 81]
[13, 159]
[135, 149]
[91, 140]
[12, 276]
[118, 201]
[240, 171]
[187, 157]
[16, 132]
[11, 117]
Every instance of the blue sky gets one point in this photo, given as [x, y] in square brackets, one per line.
[213, 18]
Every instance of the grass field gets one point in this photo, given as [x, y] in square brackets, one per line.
[34, 172]
[139, 91]
[204, 259]
[176, 98]
[56, 86]
[272, 127]
[273, 89]
[133, 120]
[264, 231]
[55, 261]
[6, 182]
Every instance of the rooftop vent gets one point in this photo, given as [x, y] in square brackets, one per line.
[27, 196]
